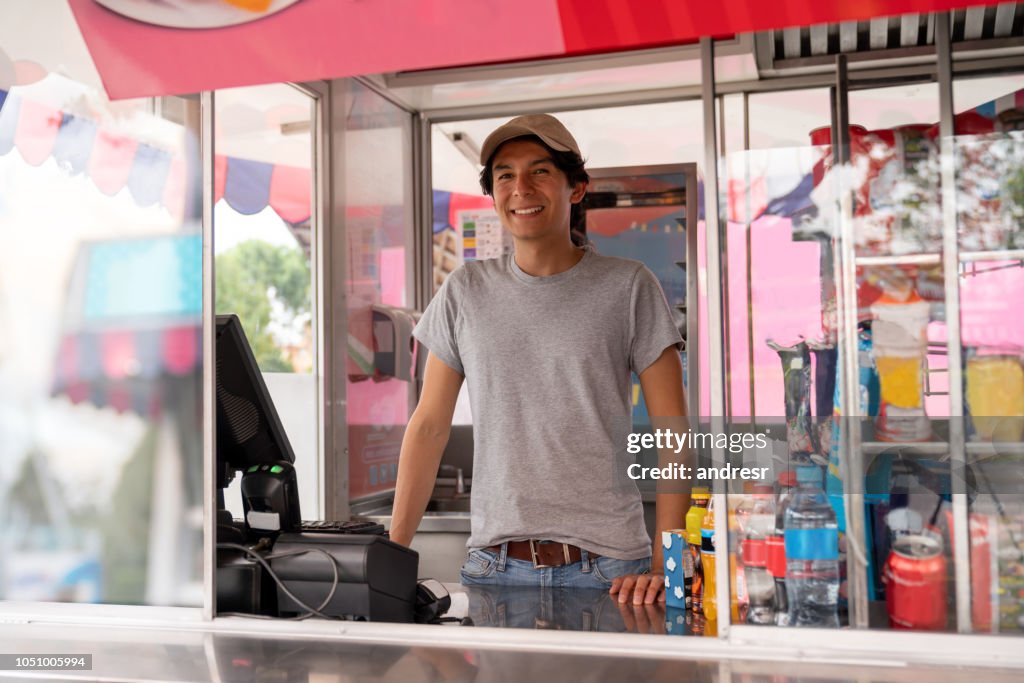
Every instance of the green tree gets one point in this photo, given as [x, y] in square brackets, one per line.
[253, 276]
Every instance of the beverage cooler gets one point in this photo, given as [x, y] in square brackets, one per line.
[865, 282]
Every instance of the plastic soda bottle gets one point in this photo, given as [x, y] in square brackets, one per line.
[757, 524]
[776, 547]
[812, 553]
[707, 559]
[756, 517]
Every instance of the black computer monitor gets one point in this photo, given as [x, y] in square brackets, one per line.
[249, 431]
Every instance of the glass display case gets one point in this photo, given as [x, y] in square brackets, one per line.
[873, 339]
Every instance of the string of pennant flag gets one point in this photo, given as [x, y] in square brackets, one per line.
[153, 175]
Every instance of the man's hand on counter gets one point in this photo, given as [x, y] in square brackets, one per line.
[640, 589]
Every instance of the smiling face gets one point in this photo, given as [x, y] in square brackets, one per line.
[531, 194]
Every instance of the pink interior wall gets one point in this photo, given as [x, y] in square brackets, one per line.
[786, 305]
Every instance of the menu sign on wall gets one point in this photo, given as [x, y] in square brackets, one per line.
[483, 236]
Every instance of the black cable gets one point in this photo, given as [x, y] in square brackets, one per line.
[263, 561]
[280, 583]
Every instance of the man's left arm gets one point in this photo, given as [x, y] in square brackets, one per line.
[662, 384]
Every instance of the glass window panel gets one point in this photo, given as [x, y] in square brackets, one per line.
[903, 376]
[783, 341]
[378, 222]
[263, 236]
[100, 345]
[901, 341]
[989, 147]
[780, 335]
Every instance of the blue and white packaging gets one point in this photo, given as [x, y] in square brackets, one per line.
[677, 558]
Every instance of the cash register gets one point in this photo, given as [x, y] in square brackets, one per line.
[271, 562]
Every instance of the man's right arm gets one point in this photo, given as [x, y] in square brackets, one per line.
[422, 447]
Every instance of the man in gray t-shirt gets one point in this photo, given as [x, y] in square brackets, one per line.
[546, 340]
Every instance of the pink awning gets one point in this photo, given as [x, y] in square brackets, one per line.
[323, 39]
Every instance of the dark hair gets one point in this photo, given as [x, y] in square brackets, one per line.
[569, 163]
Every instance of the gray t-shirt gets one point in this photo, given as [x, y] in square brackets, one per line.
[547, 362]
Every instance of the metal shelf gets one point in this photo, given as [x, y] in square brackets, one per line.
[935, 259]
[1005, 255]
[910, 448]
[989, 448]
[941, 448]
[899, 260]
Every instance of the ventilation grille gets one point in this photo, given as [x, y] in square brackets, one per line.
[994, 22]
[243, 418]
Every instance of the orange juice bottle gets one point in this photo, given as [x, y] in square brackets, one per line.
[694, 520]
[707, 559]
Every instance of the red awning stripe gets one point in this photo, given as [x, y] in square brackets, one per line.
[143, 398]
[311, 40]
[124, 368]
[327, 39]
[117, 353]
[180, 349]
[591, 26]
[151, 174]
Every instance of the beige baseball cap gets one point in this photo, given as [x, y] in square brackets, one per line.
[545, 126]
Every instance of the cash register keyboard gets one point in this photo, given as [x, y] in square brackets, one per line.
[339, 527]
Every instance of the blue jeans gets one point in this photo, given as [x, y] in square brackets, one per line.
[488, 568]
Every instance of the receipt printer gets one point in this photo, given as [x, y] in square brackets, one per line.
[376, 578]
[393, 344]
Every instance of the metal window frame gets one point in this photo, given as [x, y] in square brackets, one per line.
[324, 352]
[715, 326]
[335, 306]
[424, 197]
[736, 45]
[851, 465]
[871, 73]
[951, 278]
[209, 325]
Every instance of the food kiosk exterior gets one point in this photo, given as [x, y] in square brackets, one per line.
[899, 223]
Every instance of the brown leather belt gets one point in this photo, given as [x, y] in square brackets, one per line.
[544, 554]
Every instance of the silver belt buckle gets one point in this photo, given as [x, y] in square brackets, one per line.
[533, 554]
